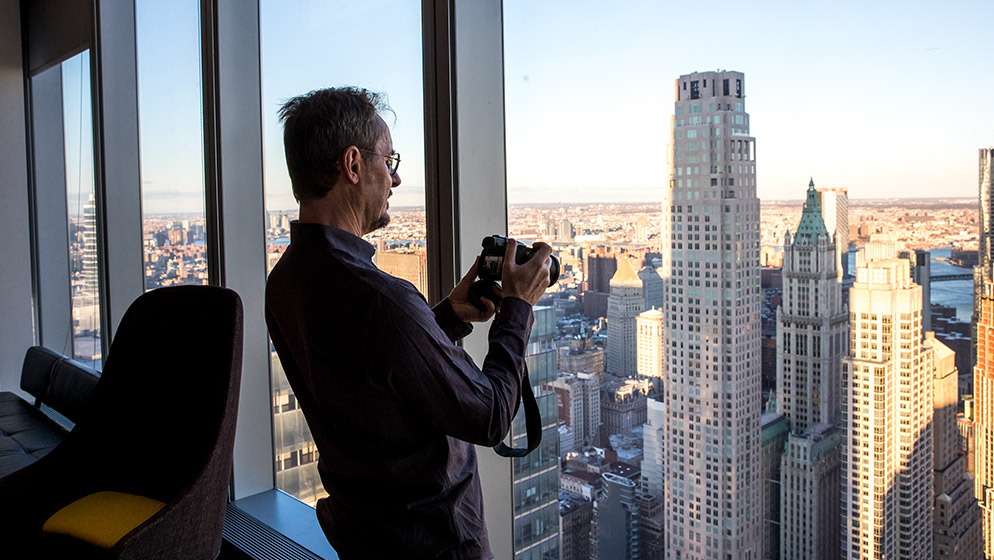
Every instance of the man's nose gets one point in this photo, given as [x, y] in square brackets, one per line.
[396, 180]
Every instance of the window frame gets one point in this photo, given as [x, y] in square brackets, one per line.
[465, 192]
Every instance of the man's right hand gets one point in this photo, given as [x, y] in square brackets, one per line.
[529, 280]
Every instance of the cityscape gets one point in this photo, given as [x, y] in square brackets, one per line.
[719, 377]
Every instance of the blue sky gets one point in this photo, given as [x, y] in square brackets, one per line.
[887, 99]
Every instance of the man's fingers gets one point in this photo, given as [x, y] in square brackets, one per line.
[471, 275]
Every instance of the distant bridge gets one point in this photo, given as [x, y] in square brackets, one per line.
[951, 277]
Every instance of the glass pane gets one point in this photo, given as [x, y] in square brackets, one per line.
[308, 46]
[83, 234]
[612, 117]
[171, 133]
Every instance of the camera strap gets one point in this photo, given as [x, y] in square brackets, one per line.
[533, 422]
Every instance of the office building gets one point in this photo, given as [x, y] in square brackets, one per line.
[653, 454]
[601, 267]
[623, 404]
[580, 355]
[773, 436]
[983, 427]
[652, 287]
[412, 266]
[536, 475]
[983, 273]
[835, 211]
[887, 413]
[812, 338]
[710, 261]
[649, 351]
[623, 306]
[957, 529]
[565, 231]
[579, 403]
[921, 274]
[90, 272]
[576, 518]
[967, 435]
[617, 520]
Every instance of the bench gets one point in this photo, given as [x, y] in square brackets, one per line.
[27, 432]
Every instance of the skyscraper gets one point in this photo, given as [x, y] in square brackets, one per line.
[986, 252]
[710, 261]
[653, 456]
[91, 275]
[983, 387]
[983, 273]
[956, 518]
[835, 211]
[812, 329]
[652, 287]
[623, 306]
[649, 326]
[887, 410]
[921, 274]
[617, 519]
[536, 475]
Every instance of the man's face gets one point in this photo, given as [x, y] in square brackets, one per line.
[378, 182]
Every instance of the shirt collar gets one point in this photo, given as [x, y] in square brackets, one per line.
[310, 234]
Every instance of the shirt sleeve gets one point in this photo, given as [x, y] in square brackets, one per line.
[450, 323]
[438, 379]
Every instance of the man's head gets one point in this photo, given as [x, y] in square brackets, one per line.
[321, 127]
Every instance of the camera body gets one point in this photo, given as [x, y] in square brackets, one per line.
[492, 265]
[492, 259]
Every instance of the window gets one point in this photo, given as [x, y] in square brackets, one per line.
[84, 241]
[172, 140]
[299, 55]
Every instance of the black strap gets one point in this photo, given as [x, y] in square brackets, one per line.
[533, 422]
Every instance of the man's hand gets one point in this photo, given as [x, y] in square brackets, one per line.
[459, 299]
[527, 281]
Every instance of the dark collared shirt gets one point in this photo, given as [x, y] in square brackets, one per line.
[393, 404]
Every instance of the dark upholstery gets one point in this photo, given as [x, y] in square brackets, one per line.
[26, 433]
[160, 424]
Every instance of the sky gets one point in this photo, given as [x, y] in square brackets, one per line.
[886, 99]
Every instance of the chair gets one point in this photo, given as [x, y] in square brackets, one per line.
[160, 427]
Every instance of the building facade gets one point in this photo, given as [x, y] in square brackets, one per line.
[835, 211]
[649, 349]
[652, 287]
[920, 261]
[710, 261]
[774, 438]
[536, 475]
[617, 520]
[579, 403]
[581, 356]
[956, 517]
[576, 518]
[623, 306]
[887, 413]
[812, 333]
[983, 273]
[623, 405]
[653, 453]
[983, 425]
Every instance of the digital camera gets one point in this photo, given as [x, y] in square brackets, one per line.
[492, 259]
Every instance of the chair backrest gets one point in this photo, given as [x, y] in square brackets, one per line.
[168, 393]
[63, 384]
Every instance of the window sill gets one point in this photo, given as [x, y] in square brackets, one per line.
[273, 524]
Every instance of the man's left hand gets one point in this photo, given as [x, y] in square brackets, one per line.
[459, 299]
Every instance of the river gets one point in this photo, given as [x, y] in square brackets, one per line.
[957, 294]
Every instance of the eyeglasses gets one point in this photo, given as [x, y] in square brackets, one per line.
[393, 160]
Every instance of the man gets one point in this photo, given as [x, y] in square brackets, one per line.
[393, 404]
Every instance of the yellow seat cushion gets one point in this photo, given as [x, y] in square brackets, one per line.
[102, 518]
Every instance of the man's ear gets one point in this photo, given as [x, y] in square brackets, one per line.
[350, 164]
